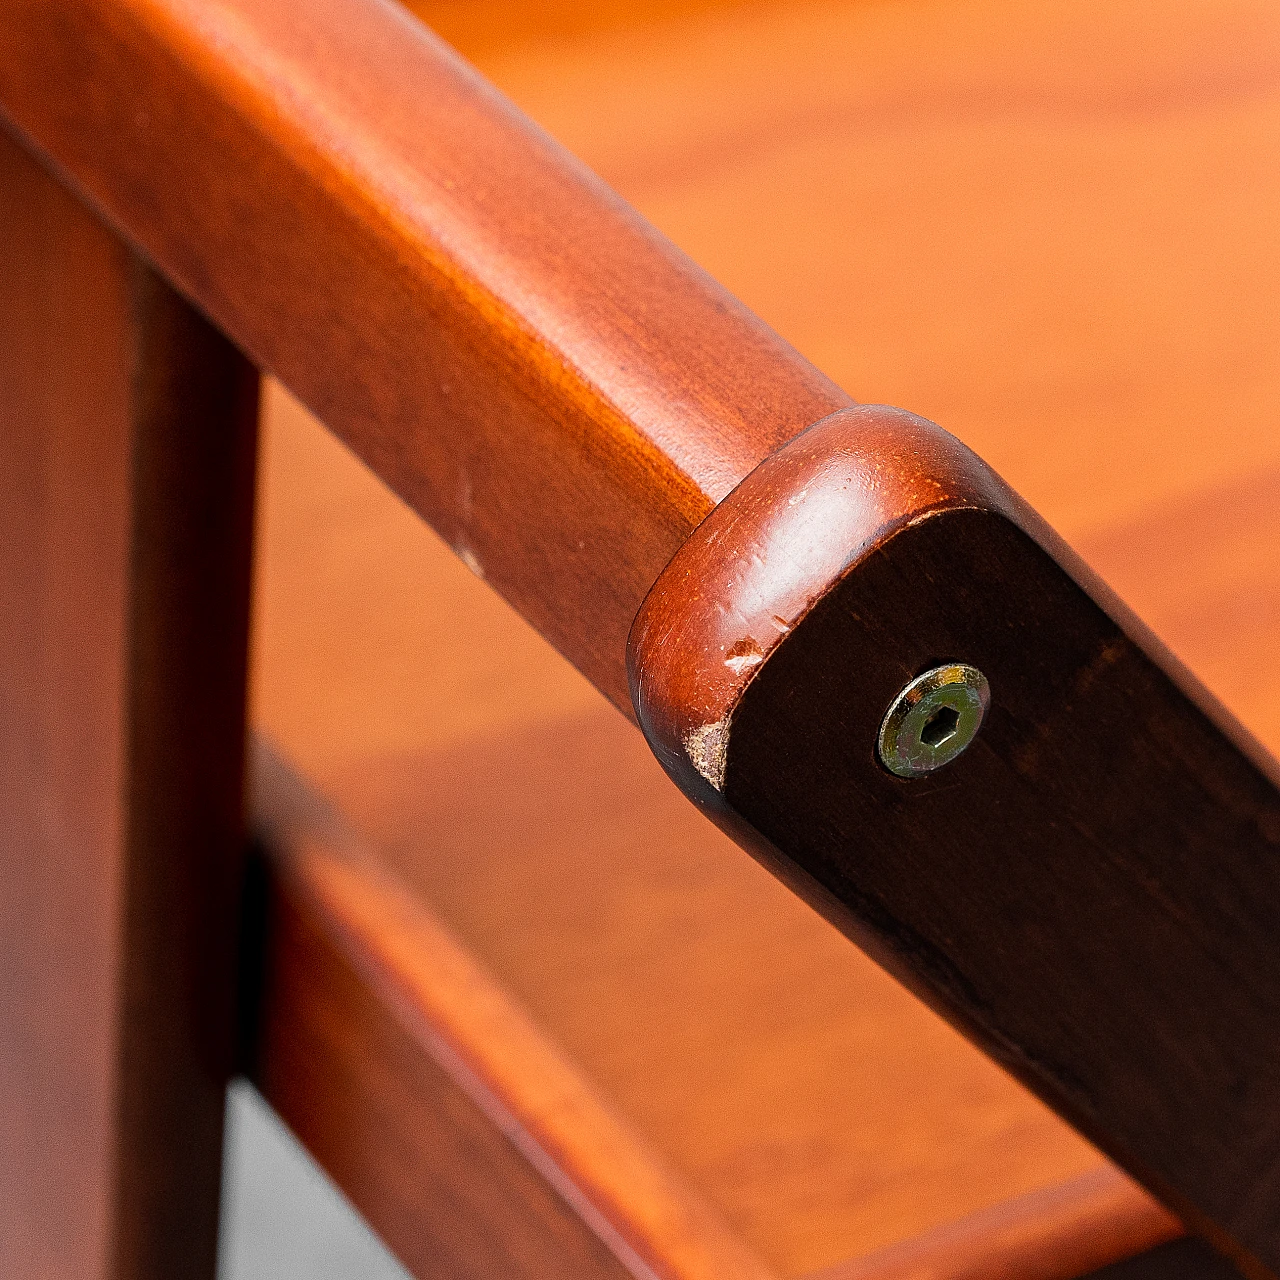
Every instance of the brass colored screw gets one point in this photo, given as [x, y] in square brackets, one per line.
[933, 719]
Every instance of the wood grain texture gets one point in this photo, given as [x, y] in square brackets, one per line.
[544, 802]
[472, 553]
[509, 352]
[466, 1139]
[1086, 194]
[1111, 830]
[818, 1107]
[126, 477]
[1046, 228]
[474, 1146]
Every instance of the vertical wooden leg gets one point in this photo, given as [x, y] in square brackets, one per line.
[127, 433]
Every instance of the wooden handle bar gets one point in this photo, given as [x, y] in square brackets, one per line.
[1091, 890]
[553, 386]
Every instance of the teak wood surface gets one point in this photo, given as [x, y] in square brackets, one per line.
[127, 435]
[661, 396]
[1182, 531]
[468, 1141]
[837, 1127]
[497, 334]
[1111, 830]
[387, 1046]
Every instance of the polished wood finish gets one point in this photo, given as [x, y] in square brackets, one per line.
[814, 1104]
[126, 472]
[466, 1139]
[824, 1126]
[1086, 195]
[1045, 865]
[760, 564]
[1046, 228]
[509, 352]
[474, 1146]
[323, 160]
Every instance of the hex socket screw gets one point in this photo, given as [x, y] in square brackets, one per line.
[933, 719]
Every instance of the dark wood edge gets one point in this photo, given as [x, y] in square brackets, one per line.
[1185, 1259]
[803, 519]
[750, 573]
[872, 547]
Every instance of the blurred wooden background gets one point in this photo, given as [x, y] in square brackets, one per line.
[1051, 229]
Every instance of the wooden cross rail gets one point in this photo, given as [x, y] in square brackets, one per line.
[702, 522]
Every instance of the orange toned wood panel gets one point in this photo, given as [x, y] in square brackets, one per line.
[818, 1108]
[490, 327]
[472, 1145]
[1019, 163]
[471, 1142]
[127, 431]
[1045, 227]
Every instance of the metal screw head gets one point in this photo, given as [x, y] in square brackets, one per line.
[933, 719]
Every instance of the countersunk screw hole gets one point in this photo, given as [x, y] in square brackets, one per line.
[940, 726]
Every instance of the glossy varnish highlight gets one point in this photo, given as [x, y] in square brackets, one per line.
[311, 205]
[494, 331]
